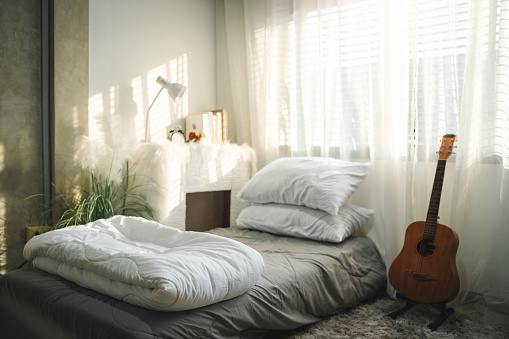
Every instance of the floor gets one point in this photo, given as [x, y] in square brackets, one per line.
[490, 309]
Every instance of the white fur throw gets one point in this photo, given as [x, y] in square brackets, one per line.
[166, 171]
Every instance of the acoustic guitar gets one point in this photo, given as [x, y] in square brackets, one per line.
[425, 270]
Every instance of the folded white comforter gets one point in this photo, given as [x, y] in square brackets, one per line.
[148, 264]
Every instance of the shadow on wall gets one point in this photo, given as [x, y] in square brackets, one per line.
[118, 113]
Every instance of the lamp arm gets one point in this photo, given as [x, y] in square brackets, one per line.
[146, 119]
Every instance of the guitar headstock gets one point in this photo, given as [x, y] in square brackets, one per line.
[446, 148]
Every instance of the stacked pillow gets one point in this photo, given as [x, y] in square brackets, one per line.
[305, 197]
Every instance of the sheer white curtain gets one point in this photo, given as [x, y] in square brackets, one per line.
[481, 187]
[382, 81]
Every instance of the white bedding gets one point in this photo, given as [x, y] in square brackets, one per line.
[148, 264]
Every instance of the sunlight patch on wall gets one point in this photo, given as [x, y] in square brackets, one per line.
[116, 120]
[179, 72]
[75, 117]
[113, 99]
[2, 158]
[3, 243]
[139, 121]
[3, 238]
[95, 116]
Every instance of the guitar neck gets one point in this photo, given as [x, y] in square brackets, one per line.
[434, 204]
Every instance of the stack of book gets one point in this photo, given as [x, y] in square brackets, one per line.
[211, 127]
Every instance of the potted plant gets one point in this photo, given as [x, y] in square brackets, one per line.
[113, 190]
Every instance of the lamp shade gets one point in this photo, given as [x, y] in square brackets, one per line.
[175, 91]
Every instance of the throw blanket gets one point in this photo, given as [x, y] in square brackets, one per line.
[148, 264]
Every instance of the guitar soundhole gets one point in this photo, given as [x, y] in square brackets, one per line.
[426, 247]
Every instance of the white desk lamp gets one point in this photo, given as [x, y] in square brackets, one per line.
[175, 91]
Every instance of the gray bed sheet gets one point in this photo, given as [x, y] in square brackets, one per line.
[303, 280]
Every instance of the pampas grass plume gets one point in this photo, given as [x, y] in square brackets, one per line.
[101, 159]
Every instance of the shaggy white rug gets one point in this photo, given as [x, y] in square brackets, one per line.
[371, 320]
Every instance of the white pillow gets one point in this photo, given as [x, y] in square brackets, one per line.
[320, 183]
[304, 222]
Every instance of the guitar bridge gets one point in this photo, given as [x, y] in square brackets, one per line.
[421, 276]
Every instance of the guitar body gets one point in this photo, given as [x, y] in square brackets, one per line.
[425, 270]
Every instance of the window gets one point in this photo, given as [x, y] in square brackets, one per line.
[324, 59]
[326, 64]
[438, 37]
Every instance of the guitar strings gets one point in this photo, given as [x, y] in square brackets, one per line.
[428, 234]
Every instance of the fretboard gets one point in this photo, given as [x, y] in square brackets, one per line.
[434, 204]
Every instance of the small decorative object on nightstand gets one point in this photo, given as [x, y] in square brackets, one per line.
[176, 135]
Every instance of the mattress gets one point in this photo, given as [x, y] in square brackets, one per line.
[303, 281]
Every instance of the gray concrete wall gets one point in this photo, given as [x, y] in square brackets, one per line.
[71, 90]
[20, 121]
[20, 112]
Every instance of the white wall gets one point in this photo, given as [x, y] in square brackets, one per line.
[131, 43]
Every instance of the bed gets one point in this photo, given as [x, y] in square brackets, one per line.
[304, 279]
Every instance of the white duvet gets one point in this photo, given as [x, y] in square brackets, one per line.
[148, 264]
